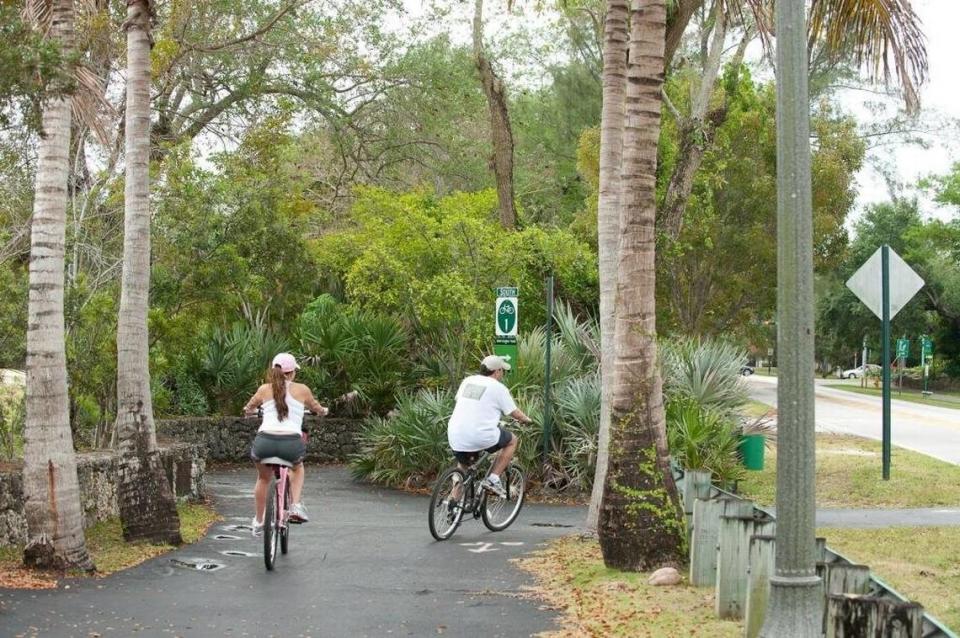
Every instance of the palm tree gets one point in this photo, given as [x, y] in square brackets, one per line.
[51, 488]
[608, 220]
[147, 506]
[640, 524]
[872, 32]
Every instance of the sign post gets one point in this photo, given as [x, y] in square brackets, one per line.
[903, 351]
[506, 319]
[885, 283]
[926, 353]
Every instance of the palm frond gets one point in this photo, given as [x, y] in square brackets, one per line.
[884, 36]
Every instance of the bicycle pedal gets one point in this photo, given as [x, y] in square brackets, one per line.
[295, 521]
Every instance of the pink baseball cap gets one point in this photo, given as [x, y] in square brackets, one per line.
[286, 362]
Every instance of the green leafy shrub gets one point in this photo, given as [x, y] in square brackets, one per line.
[344, 349]
[703, 439]
[706, 371]
[232, 365]
[409, 447]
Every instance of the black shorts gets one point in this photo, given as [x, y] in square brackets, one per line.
[469, 458]
[289, 447]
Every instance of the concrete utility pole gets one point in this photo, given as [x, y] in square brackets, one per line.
[796, 603]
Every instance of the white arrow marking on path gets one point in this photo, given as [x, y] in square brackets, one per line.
[486, 547]
[512, 543]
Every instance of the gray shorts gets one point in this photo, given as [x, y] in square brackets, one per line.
[289, 447]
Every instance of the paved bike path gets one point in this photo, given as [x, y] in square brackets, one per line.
[366, 565]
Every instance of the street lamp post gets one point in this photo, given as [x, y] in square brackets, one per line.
[796, 603]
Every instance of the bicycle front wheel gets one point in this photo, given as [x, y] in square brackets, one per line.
[446, 504]
[271, 531]
[285, 530]
[499, 513]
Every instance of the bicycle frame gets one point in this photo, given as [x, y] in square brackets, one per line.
[281, 472]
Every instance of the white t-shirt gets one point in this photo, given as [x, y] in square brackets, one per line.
[481, 401]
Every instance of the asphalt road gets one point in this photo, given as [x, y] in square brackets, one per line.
[931, 430]
[366, 565]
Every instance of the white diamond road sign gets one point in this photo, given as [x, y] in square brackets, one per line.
[867, 283]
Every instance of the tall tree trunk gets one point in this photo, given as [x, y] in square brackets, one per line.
[147, 506]
[697, 131]
[51, 488]
[500, 132]
[608, 221]
[640, 524]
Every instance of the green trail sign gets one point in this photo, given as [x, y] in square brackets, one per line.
[927, 346]
[506, 323]
[903, 348]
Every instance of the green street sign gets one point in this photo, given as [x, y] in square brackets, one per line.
[927, 345]
[506, 316]
[903, 348]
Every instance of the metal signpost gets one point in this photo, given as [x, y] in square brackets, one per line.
[903, 351]
[926, 354]
[885, 283]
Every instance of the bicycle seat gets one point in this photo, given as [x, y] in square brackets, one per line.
[276, 460]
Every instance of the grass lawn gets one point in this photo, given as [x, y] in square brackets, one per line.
[756, 409]
[922, 563]
[596, 601]
[940, 399]
[848, 475]
[107, 548]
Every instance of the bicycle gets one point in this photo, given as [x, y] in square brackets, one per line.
[276, 515]
[459, 492]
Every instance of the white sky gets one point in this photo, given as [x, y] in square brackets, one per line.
[940, 96]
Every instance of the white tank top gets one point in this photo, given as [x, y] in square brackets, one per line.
[272, 424]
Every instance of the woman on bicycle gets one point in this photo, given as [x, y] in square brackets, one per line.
[281, 432]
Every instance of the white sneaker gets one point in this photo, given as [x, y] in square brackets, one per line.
[494, 486]
[298, 513]
[257, 528]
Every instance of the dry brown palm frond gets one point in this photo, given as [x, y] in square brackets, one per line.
[882, 35]
[88, 102]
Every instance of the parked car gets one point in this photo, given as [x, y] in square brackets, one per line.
[856, 373]
[746, 370]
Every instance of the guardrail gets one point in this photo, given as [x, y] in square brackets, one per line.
[932, 628]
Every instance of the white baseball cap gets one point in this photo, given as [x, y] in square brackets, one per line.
[493, 362]
[285, 362]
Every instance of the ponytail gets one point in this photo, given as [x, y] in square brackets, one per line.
[278, 383]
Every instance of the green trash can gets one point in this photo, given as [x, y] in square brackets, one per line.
[751, 451]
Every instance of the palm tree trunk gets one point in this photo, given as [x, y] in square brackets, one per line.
[640, 524]
[51, 488]
[608, 221]
[500, 131]
[147, 506]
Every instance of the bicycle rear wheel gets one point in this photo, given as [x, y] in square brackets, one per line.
[271, 532]
[498, 513]
[285, 530]
[446, 510]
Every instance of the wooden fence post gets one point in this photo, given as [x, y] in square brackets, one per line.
[733, 552]
[703, 542]
[762, 555]
[696, 484]
[852, 616]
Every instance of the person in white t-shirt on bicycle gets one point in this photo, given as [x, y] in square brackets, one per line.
[474, 426]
